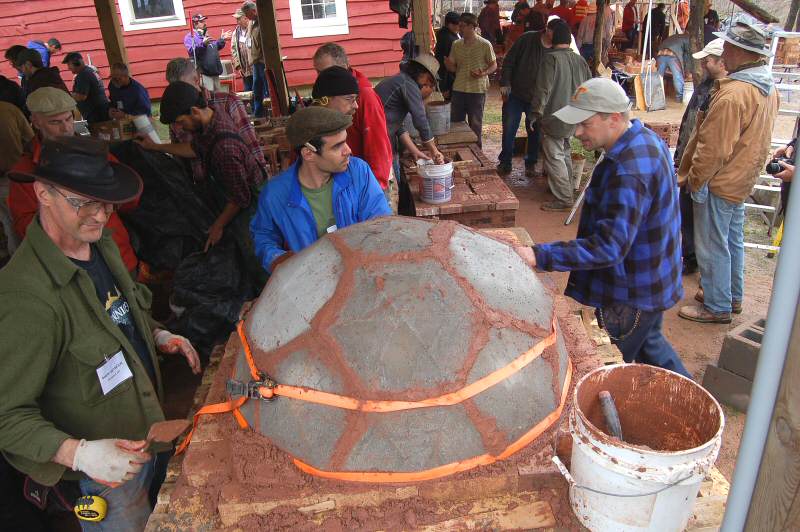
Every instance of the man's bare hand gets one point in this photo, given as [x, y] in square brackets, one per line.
[787, 173]
[527, 254]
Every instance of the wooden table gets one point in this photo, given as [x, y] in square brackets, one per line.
[481, 199]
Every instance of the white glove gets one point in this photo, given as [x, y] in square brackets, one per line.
[505, 91]
[104, 460]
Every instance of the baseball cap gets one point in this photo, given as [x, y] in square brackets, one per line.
[712, 48]
[597, 95]
[239, 13]
[49, 101]
[747, 35]
[198, 17]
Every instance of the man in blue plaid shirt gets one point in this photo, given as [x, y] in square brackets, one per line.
[626, 259]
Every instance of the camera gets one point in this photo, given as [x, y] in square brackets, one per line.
[774, 168]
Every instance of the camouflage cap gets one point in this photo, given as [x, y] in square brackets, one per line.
[313, 122]
[49, 101]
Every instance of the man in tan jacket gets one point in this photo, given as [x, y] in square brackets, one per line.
[260, 88]
[721, 163]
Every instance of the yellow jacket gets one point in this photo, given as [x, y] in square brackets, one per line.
[731, 141]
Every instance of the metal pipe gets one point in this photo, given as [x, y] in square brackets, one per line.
[780, 317]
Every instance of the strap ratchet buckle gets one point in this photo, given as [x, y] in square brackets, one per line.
[251, 389]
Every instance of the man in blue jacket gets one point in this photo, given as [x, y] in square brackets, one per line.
[46, 50]
[324, 190]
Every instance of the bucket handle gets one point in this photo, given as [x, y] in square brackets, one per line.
[573, 485]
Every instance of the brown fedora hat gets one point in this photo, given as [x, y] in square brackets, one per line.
[81, 165]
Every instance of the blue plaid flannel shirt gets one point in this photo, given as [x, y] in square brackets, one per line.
[628, 245]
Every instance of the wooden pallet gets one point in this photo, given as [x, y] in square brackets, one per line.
[481, 199]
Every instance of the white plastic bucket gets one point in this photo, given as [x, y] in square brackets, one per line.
[438, 117]
[145, 127]
[672, 431]
[688, 90]
[437, 182]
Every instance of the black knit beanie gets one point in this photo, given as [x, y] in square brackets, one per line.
[561, 34]
[334, 81]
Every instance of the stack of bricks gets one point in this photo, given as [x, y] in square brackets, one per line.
[481, 199]
[731, 379]
[666, 130]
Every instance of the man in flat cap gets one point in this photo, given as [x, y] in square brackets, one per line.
[324, 190]
[80, 385]
[721, 163]
[368, 139]
[626, 259]
[52, 117]
[217, 141]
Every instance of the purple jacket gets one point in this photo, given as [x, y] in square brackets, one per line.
[208, 61]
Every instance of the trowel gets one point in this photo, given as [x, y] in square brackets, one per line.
[166, 431]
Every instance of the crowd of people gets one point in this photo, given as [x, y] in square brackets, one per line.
[81, 382]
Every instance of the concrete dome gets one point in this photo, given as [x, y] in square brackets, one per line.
[403, 309]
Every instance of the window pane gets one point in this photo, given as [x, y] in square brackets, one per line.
[308, 12]
[330, 9]
[319, 11]
[143, 9]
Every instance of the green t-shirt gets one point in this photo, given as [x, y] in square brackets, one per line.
[321, 202]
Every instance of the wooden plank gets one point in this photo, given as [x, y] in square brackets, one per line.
[111, 30]
[421, 24]
[775, 504]
[512, 516]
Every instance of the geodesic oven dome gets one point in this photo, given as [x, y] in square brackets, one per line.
[404, 350]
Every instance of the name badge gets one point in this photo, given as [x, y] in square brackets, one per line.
[331, 229]
[113, 372]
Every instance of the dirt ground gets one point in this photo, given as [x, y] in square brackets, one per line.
[697, 344]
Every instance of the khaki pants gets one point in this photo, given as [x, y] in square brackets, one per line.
[558, 167]
[212, 83]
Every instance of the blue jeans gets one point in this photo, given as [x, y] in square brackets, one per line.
[248, 82]
[512, 114]
[642, 340]
[719, 246]
[665, 62]
[128, 504]
[587, 52]
[260, 90]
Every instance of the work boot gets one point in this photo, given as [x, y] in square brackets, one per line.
[701, 314]
[556, 206]
[534, 170]
[504, 168]
[736, 306]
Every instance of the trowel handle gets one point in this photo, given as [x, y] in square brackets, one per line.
[610, 413]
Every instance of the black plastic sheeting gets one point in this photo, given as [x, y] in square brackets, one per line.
[168, 231]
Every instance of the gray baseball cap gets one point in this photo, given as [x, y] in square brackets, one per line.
[746, 34]
[596, 95]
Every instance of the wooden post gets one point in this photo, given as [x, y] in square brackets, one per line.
[599, 22]
[759, 12]
[421, 25]
[111, 31]
[271, 46]
[776, 500]
[694, 28]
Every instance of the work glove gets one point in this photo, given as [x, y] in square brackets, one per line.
[505, 91]
[107, 462]
[166, 342]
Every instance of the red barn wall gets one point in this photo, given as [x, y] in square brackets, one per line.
[373, 43]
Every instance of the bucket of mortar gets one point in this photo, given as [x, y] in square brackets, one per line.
[438, 117]
[672, 432]
[437, 181]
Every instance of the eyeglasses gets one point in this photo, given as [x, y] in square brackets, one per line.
[85, 207]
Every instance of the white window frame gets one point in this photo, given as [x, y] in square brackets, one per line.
[301, 28]
[129, 22]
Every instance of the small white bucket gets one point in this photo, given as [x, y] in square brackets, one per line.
[688, 90]
[437, 181]
[145, 127]
[672, 431]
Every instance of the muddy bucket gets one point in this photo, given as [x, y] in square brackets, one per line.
[437, 181]
[672, 432]
[438, 117]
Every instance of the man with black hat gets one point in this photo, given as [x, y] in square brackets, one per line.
[445, 37]
[52, 117]
[217, 141]
[626, 259]
[80, 384]
[368, 139]
[87, 89]
[559, 75]
[205, 51]
[36, 75]
[324, 190]
[722, 162]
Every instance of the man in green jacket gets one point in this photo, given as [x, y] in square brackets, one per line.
[80, 384]
[560, 73]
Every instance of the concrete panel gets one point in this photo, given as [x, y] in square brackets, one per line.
[504, 280]
[415, 440]
[388, 235]
[740, 348]
[406, 326]
[293, 296]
